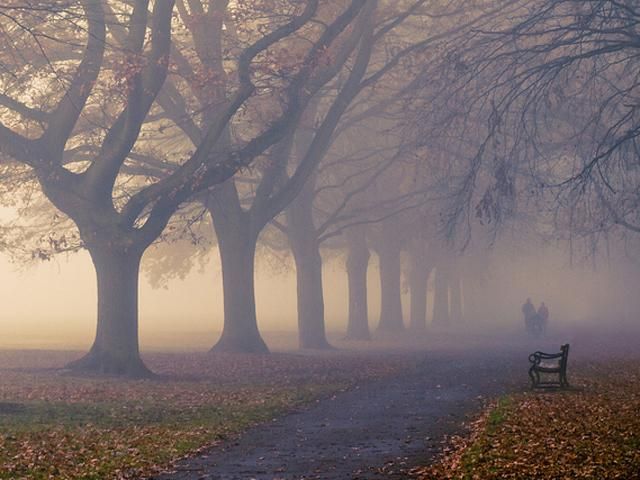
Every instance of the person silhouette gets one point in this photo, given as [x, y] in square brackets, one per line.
[529, 312]
[543, 314]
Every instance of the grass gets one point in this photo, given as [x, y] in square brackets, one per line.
[473, 455]
[498, 414]
[106, 440]
[53, 425]
[38, 415]
[591, 431]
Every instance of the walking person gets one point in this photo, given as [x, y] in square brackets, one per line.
[543, 314]
[529, 312]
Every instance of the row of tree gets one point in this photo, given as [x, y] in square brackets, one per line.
[354, 124]
[127, 113]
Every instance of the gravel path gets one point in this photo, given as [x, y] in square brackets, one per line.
[373, 431]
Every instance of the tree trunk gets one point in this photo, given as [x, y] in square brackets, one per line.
[472, 310]
[441, 295]
[115, 348]
[419, 270]
[390, 289]
[455, 287]
[357, 265]
[306, 253]
[237, 245]
[311, 328]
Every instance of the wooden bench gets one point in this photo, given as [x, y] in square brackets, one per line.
[549, 364]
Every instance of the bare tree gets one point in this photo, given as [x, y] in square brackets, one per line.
[115, 224]
[552, 88]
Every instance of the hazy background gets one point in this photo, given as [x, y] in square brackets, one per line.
[52, 304]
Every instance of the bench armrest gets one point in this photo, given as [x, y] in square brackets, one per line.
[537, 357]
[546, 356]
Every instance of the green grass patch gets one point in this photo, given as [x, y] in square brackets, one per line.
[499, 413]
[481, 448]
[101, 440]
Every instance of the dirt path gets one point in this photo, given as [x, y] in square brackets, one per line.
[372, 431]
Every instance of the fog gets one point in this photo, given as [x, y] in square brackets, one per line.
[298, 170]
[52, 304]
[319, 239]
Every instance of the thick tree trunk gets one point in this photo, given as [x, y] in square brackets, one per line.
[237, 246]
[455, 287]
[115, 349]
[390, 289]
[357, 265]
[441, 295]
[311, 327]
[419, 270]
[306, 252]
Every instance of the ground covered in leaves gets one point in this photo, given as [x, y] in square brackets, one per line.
[591, 431]
[56, 425]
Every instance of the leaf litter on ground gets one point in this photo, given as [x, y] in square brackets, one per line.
[57, 425]
[591, 431]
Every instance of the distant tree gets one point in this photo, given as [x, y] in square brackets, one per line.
[421, 263]
[357, 265]
[338, 200]
[241, 209]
